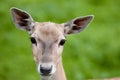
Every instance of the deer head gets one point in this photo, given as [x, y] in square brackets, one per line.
[48, 38]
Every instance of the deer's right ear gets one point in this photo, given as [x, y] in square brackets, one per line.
[22, 19]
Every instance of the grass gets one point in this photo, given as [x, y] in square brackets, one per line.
[94, 53]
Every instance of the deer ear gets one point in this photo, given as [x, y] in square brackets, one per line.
[77, 25]
[22, 19]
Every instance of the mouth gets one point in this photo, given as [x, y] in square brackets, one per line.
[47, 75]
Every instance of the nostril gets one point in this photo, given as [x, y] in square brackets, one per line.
[45, 70]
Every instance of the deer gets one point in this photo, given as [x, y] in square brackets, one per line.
[48, 39]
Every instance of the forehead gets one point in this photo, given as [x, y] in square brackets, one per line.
[48, 30]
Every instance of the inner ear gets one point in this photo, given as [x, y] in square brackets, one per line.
[80, 21]
[76, 27]
[20, 14]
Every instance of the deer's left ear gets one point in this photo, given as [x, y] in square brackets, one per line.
[77, 25]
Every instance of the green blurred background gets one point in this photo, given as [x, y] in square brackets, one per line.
[94, 53]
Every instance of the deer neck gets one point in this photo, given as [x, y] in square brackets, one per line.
[59, 74]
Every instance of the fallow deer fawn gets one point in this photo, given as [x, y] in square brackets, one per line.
[48, 39]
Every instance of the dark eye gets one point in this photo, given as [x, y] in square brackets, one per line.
[33, 40]
[62, 42]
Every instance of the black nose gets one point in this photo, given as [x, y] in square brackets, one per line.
[45, 71]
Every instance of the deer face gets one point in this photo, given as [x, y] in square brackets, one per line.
[47, 41]
[48, 38]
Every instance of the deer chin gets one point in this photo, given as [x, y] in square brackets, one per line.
[46, 77]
